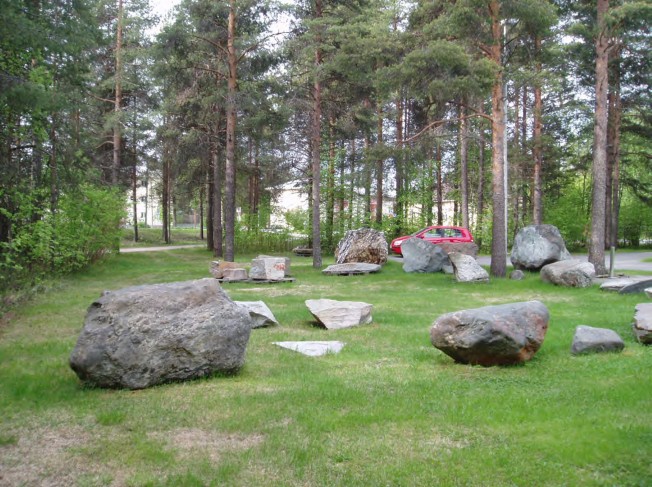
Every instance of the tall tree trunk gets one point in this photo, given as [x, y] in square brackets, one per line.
[613, 144]
[367, 181]
[537, 151]
[134, 193]
[316, 149]
[440, 188]
[218, 233]
[481, 182]
[330, 184]
[353, 183]
[398, 207]
[210, 191]
[499, 234]
[379, 167]
[464, 166]
[117, 132]
[231, 121]
[597, 239]
[166, 191]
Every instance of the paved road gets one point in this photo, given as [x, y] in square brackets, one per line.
[129, 250]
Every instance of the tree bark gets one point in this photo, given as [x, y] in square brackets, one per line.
[231, 121]
[398, 207]
[481, 181]
[316, 149]
[379, 167]
[499, 235]
[537, 151]
[117, 132]
[613, 151]
[464, 169]
[597, 238]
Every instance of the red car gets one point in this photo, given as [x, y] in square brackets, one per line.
[436, 235]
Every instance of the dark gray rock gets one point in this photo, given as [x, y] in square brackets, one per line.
[467, 269]
[141, 336]
[642, 325]
[538, 245]
[636, 287]
[340, 314]
[569, 273]
[422, 256]
[261, 315]
[588, 339]
[517, 275]
[352, 268]
[362, 245]
[494, 335]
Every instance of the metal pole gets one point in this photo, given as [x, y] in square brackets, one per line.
[612, 258]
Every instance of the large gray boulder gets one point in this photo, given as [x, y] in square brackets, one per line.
[536, 246]
[335, 315]
[141, 336]
[422, 256]
[362, 245]
[588, 339]
[494, 335]
[467, 269]
[642, 325]
[569, 273]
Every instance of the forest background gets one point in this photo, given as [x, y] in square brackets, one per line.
[520, 112]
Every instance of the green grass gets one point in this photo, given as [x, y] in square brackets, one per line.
[150, 237]
[388, 410]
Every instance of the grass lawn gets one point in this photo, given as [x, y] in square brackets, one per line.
[149, 237]
[388, 410]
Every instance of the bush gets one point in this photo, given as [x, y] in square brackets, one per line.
[85, 227]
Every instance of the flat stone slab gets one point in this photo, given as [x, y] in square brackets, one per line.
[335, 315]
[588, 339]
[648, 291]
[618, 283]
[312, 349]
[261, 315]
[353, 268]
[257, 281]
[642, 325]
[637, 287]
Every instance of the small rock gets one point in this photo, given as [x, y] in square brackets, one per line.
[569, 273]
[422, 256]
[636, 287]
[234, 274]
[642, 325]
[335, 315]
[467, 268]
[312, 349]
[588, 339]
[351, 268]
[260, 314]
[494, 335]
[517, 275]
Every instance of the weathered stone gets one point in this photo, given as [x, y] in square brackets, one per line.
[352, 268]
[538, 245]
[268, 269]
[467, 268]
[339, 314]
[617, 283]
[517, 275]
[362, 245]
[218, 267]
[494, 335]
[569, 273]
[312, 349]
[145, 335]
[468, 248]
[648, 291]
[588, 339]
[636, 287]
[261, 315]
[642, 325]
[302, 251]
[422, 256]
[287, 261]
[235, 274]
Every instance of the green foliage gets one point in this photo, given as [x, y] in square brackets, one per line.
[84, 228]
